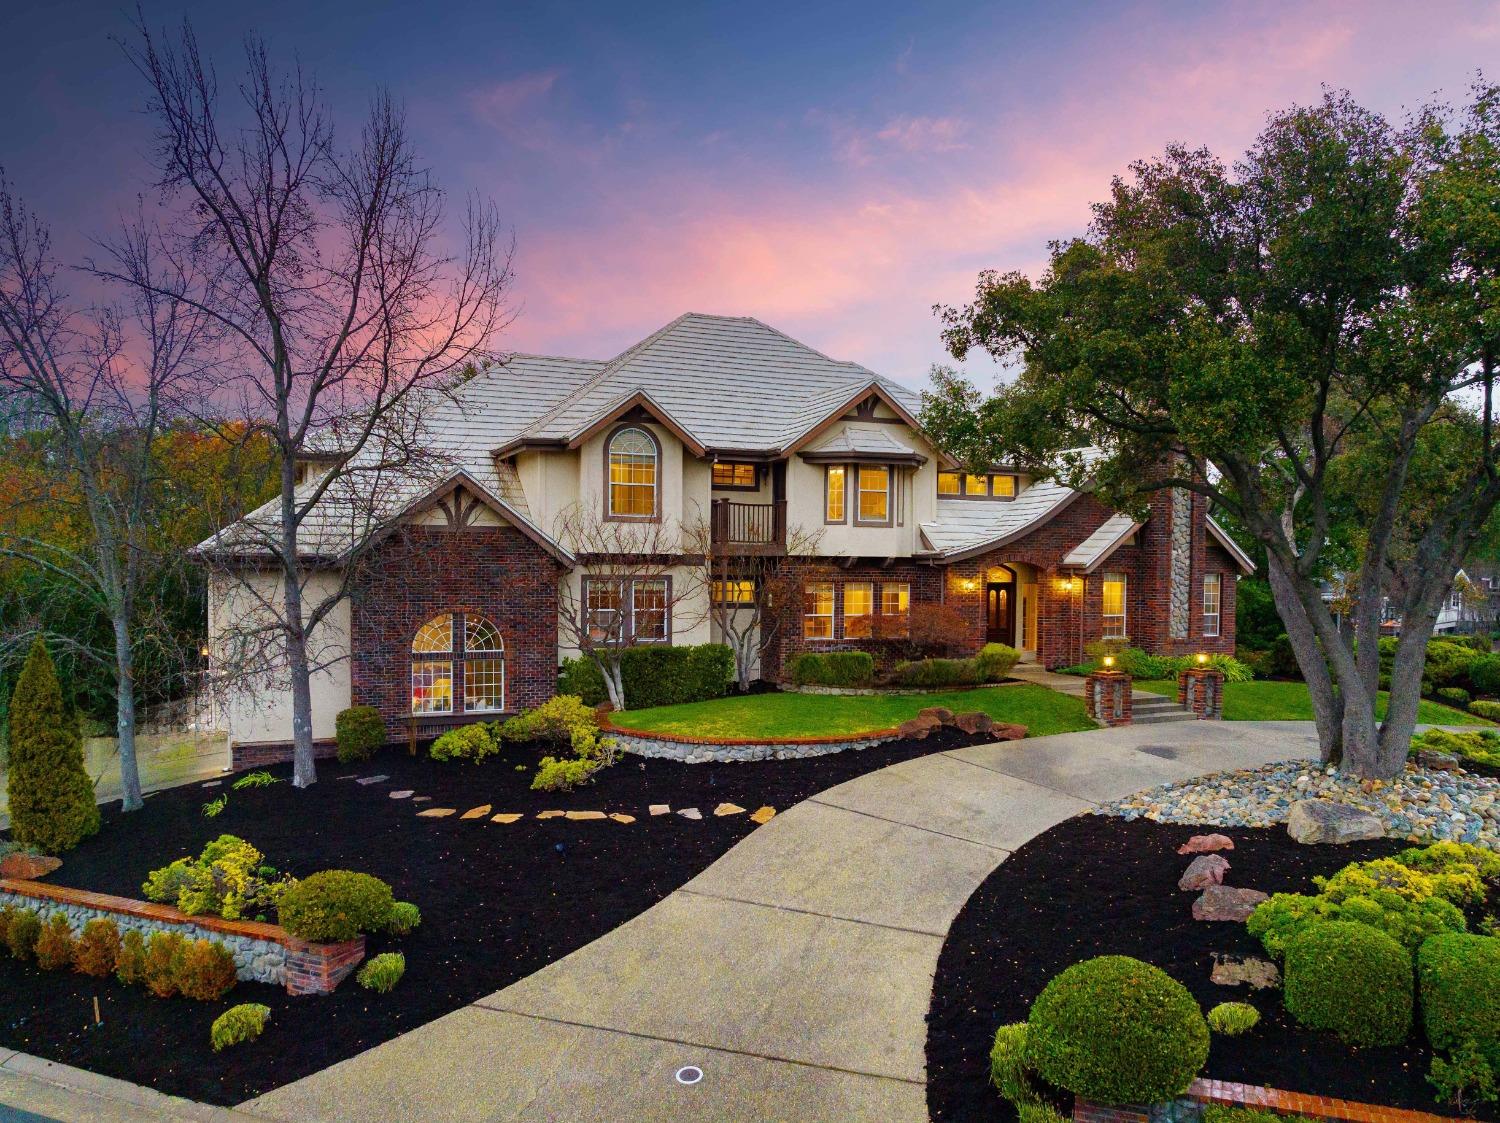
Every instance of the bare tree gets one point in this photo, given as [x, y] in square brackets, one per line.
[101, 384]
[632, 579]
[324, 266]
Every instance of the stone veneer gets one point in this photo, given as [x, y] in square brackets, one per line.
[691, 751]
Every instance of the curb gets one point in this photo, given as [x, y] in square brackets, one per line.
[27, 1081]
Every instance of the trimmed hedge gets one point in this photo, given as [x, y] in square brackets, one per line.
[1352, 979]
[1455, 696]
[1484, 675]
[336, 905]
[1483, 707]
[359, 731]
[1117, 1031]
[654, 675]
[933, 673]
[832, 668]
[1459, 977]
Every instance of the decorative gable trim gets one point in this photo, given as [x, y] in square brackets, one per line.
[638, 406]
[865, 398]
[460, 497]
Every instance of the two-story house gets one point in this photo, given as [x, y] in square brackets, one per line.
[726, 423]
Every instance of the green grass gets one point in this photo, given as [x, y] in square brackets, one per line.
[1288, 701]
[766, 716]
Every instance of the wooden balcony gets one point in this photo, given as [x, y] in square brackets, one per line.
[749, 528]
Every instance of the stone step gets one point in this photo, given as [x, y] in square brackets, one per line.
[1139, 704]
[1139, 718]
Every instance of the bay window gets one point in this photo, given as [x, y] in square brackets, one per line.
[874, 495]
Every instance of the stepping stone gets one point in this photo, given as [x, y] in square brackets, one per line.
[619, 818]
[437, 812]
[477, 812]
[348, 776]
[690, 813]
[550, 814]
[1203, 871]
[764, 815]
[1206, 843]
[504, 818]
[728, 809]
[1244, 970]
[422, 799]
[660, 808]
[587, 815]
[407, 794]
[1321, 820]
[213, 783]
[1220, 902]
[372, 779]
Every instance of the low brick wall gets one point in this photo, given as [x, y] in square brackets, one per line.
[258, 754]
[1189, 1107]
[263, 953]
[709, 750]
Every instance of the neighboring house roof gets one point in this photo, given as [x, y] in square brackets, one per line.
[1096, 549]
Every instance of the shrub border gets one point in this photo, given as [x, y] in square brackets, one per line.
[848, 740]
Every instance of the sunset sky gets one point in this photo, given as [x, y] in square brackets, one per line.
[834, 169]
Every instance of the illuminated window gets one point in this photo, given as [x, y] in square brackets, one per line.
[834, 492]
[1112, 606]
[1003, 487]
[950, 483]
[632, 474]
[728, 474]
[859, 606]
[875, 495]
[438, 665]
[1210, 604]
[817, 610]
[976, 485]
[895, 602]
[432, 678]
[734, 592]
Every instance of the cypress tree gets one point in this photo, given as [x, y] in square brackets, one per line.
[51, 799]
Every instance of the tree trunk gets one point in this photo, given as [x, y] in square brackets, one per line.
[304, 769]
[1327, 704]
[614, 685]
[130, 776]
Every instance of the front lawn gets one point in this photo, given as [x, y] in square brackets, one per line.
[770, 716]
[1288, 701]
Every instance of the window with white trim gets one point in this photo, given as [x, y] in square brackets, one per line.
[634, 460]
[1112, 606]
[895, 603]
[817, 610]
[1210, 604]
[443, 668]
[859, 606]
[874, 494]
[627, 610]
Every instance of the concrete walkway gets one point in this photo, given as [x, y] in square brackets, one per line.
[795, 972]
[34, 1089]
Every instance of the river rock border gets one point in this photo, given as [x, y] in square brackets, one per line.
[694, 750]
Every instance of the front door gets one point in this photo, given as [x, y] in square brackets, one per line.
[1000, 613]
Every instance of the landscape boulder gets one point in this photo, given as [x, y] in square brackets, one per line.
[1206, 844]
[1244, 970]
[917, 728]
[1203, 871]
[28, 867]
[942, 714]
[1006, 732]
[1438, 762]
[1221, 902]
[975, 721]
[1312, 821]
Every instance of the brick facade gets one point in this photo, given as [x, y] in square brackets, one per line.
[423, 571]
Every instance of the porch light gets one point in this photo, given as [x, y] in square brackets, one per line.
[1109, 661]
[968, 584]
[203, 651]
[1202, 658]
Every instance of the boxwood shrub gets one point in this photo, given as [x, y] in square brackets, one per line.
[1484, 675]
[336, 905]
[358, 731]
[832, 668]
[654, 675]
[1117, 1031]
[1351, 979]
[1482, 707]
[1459, 979]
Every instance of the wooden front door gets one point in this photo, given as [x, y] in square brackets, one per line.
[1000, 613]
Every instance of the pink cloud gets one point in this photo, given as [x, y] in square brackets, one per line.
[925, 134]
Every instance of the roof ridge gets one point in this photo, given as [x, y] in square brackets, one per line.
[808, 347]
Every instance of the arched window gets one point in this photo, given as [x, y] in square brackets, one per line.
[633, 467]
[479, 664]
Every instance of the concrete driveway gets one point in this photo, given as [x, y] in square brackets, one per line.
[794, 973]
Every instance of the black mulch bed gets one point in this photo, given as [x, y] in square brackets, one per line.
[1098, 885]
[498, 900]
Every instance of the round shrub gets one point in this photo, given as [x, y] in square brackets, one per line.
[1455, 696]
[98, 948]
[238, 1023]
[1352, 979]
[383, 972]
[1233, 1018]
[1008, 1065]
[22, 932]
[54, 945]
[205, 971]
[995, 661]
[1484, 673]
[467, 742]
[336, 905]
[130, 965]
[405, 917]
[358, 731]
[164, 952]
[1459, 978]
[1116, 1030]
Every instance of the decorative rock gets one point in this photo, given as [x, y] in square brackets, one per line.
[372, 779]
[728, 809]
[407, 794]
[476, 812]
[550, 814]
[1438, 762]
[1206, 843]
[587, 815]
[942, 714]
[764, 815]
[1313, 821]
[28, 867]
[975, 721]
[690, 813]
[1004, 731]
[504, 818]
[1203, 871]
[621, 818]
[421, 799]
[917, 728]
[437, 812]
[1244, 970]
[1220, 902]
[660, 809]
[213, 783]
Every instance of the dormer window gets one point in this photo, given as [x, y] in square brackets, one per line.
[977, 485]
[734, 476]
[634, 469]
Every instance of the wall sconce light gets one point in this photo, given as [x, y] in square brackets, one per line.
[968, 584]
[203, 651]
[1109, 662]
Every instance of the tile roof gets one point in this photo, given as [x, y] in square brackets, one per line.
[1095, 550]
[851, 441]
[971, 526]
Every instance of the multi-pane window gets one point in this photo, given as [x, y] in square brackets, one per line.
[835, 479]
[730, 474]
[441, 669]
[976, 485]
[859, 606]
[1210, 604]
[817, 610]
[875, 494]
[1112, 606]
[632, 474]
[734, 592]
[1003, 487]
[950, 483]
[627, 610]
[895, 602]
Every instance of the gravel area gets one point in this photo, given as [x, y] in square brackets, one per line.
[1425, 803]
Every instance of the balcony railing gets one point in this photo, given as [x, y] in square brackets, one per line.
[757, 527]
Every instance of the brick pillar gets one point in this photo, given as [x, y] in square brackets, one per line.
[1107, 695]
[1201, 690]
[319, 968]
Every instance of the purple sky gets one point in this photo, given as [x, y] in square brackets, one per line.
[832, 169]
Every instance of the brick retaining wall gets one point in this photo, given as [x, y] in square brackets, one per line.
[1230, 1094]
